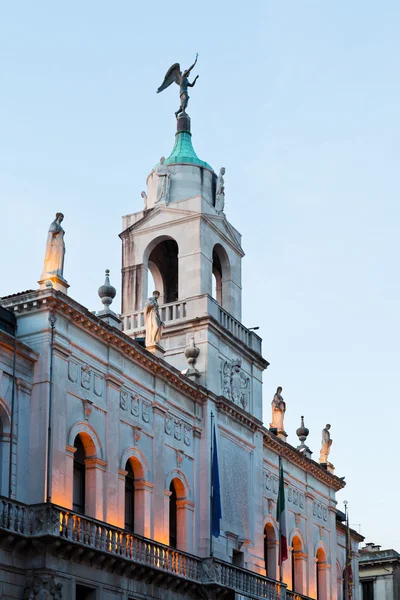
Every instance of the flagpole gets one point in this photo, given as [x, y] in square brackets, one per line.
[280, 532]
[346, 570]
[211, 484]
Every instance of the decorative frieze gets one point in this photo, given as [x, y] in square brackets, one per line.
[235, 384]
[320, 511]
[135, 404]
[294, 496]
[83, 375]
[180, 430]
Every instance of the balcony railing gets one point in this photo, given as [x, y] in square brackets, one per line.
[131, 552]
[191, 308]
[295, 596]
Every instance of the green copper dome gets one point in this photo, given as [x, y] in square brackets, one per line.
[183, 151]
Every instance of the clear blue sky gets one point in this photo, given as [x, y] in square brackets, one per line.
[299, 100]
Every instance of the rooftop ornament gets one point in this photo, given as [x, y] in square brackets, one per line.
[174, 74]
[302, 433]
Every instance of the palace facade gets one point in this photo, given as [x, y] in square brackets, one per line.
[105, 444]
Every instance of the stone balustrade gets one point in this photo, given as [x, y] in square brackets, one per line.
[295, 596]
[131, 552]
[191, 308]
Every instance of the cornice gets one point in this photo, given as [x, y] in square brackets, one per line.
[60, 303]
[234, 411]
[307, 464]
[23, 350]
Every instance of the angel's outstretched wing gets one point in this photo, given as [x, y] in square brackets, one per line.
[173, 74]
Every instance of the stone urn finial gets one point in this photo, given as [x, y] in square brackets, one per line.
[107, 292]
[302, 433]
[191, 353]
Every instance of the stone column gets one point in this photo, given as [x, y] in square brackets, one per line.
[121, 498]
[160, 500]
[184, 518]
[310, 585]
[164, 526]
[113, 500]
[69, 477]
[95, 475]
[143, 507]
[134, 288]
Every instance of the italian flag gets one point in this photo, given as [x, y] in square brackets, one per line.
[281, 518]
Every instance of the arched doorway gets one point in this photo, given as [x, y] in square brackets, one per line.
[79, 477]
[163, 266]
[297, 565]
[173, 520]
[129, 497]
[270, 547]
[321, 565]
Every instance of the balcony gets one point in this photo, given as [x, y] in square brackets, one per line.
[76, 537]
[180, 311]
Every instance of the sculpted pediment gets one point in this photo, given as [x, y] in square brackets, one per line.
[161, 215]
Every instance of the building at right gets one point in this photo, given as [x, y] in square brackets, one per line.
[379, 573]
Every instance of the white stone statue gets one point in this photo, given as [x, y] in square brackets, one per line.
[325, 444]
[55, 250]
[144, 196]
[164, 182]
[153, 323]
[278, 410]
[220, 193]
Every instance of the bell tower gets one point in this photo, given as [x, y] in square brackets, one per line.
[183, 238]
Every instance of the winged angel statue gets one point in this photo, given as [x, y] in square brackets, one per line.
[174, 73]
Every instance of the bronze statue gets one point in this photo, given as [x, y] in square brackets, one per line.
[174, 73]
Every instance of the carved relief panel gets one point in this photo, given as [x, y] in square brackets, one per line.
[235, 384]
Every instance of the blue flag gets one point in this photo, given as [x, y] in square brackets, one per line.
[216, 492]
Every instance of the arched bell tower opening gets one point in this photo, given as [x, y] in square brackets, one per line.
[221, 272]
[162, 263]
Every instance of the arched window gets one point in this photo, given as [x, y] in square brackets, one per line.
[172, 516]
[79, 477]
[297, 565]
[129, 498]
[270, 551]
[321, 565]
[163, 266]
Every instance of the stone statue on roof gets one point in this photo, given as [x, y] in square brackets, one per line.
[55, 250]
[152, 320]
[278, 410]
[220, 192]
[325, 444]
[164, 182]
[174, 73]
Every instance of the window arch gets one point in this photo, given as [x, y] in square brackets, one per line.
[270, 550]
[87, 472]
[180, 513]
[161, 259]
[135, 492]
